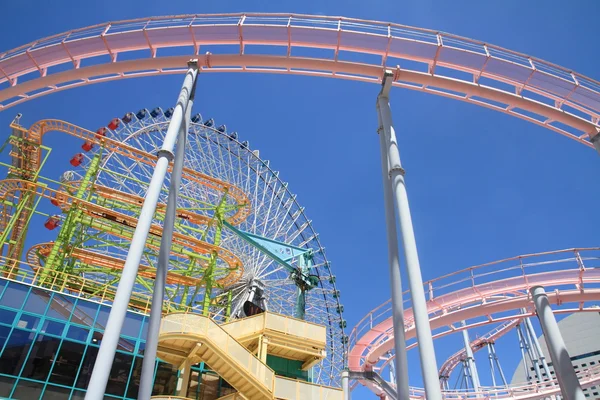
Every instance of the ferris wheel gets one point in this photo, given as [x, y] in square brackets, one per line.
[242, 242]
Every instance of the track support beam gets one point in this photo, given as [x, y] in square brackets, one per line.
[429, 368]
[158, 294]
[563, 368]
[102, 367]
[400, 360]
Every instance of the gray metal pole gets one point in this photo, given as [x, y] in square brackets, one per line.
[522, 346]
[400, 360]
[504, 382]
[426, 350]
[491, 359]
[106, 354]
[471, 359]
[538, 348]
[533, 353]
[345, 386]
[563, 368]
[147, 377]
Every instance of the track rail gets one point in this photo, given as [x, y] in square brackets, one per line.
[481, 295]
[422, 59]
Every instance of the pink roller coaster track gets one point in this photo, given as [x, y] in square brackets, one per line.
[478, 295]
[422, 59]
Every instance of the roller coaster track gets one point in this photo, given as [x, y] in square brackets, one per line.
[479, 302]
[105, 219]
[422, 59]
[476, 345]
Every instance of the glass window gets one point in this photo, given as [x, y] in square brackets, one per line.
[60, 307]
[78, 333]
[132, 325]
[78, 395]
[14, 295]
[53, 327]
[7, 316]
[134, 381]
[102, 317]
[165, 380]
[27, 321]
[6, 385]
[37, 301]
[67, 362]
[141, 348]
[97, 337]
[56, 393]
[15, 351]
[28, 390]
[40, 359]
[119, 374]
[86, 367]
[4, 332]
[86, 313]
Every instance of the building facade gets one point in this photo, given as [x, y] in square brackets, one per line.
[581, 333]
[49, 342]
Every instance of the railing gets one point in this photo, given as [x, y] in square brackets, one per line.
[290, 389]
[186, 323]
[76, 286]
[473, 278]
[276, 322]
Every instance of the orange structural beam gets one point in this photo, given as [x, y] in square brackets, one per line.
[37, 130]
[104, 215]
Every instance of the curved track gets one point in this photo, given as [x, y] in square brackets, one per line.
[425, 60]
[494, 293]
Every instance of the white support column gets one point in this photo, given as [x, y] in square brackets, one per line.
[106, 354]
[426, 350]
[471, 359]
[345, 385]
[561, 361]
[400, 360]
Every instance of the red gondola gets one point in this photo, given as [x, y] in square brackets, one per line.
[114, 123]
[101, 132]
[77, 160]
[52, 223]
[87, 146]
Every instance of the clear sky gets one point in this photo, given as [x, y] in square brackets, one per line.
[482, 185]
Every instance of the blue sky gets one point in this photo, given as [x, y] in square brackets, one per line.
[482, 185]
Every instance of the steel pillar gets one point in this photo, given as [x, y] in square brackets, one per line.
[426, 350]
[522, 347]
[106, 354]
[400, 360]
[158, 295]
[470, 359]
[345, 385]
[538, 348]
[561, 361]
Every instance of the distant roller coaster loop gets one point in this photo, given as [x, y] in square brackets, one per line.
[484, 295]
[422, 59]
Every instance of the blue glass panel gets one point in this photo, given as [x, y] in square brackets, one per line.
[78, 333]
[37, 302]
[14, 295]
[132, 325]
[134, 380]
[53, 327]
[6, 385]
[41, 357]
[15, 351]
[102, 317]
[86, 367]
[56, 393]
[4, 332]
[86, 313]
[142, 347]
[60, 307]
[119, 374]
[67, 362]
[28, 390]
[78, 395]
[27, 321]
[7, 316]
